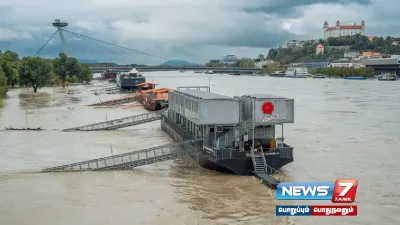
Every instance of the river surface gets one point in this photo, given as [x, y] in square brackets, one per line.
[342, 129]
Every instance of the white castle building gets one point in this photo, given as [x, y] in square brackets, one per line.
[339, 30]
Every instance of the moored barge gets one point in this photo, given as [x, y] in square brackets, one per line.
[238, 133]
[129, 81]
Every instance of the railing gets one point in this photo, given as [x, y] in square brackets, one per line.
[253, 159]
[270, 170]
[207, 89]
[234, 133]
[130, 157]
[119, 123]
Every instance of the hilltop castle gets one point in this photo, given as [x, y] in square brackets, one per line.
[339, 30]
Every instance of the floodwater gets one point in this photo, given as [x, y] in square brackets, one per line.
[343, 129]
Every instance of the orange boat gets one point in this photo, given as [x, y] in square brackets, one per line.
[143, 87]
[155, 99]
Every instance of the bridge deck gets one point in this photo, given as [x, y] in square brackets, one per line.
[134, 158]
[119, 123]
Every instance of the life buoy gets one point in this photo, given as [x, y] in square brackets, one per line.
[272, 144]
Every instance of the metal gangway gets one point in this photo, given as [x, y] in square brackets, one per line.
[119, 123]
[116, 101]
[134, 158]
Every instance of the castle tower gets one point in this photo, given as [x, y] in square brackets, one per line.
[362, 27]
[337, 25]
[57, 23]
[326, 25]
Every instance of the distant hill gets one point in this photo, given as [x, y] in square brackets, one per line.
[178, 63]
[88, 61]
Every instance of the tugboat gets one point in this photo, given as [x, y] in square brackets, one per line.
[238, 133]
[155, 99]
[388, 77]
[320, 76]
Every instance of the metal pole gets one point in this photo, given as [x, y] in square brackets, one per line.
[26, 118]
[209, 82]
[53, 96]
[112, 153]
[106, 117]
[254, 124]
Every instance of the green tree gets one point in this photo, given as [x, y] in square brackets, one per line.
[35, 72]
[9, 64]
[66, 67]
[247, 63]
[3, 83]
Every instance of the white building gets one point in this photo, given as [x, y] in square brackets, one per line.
[351, 54]
[339, 30]
[319, 49]
[346, 64]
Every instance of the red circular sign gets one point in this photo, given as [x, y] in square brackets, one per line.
[267, 108]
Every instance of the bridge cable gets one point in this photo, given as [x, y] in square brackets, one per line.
[105, 42]
[45, 44]
[92, 42]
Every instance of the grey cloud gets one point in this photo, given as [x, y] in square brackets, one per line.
[187, 29]
[288, 7]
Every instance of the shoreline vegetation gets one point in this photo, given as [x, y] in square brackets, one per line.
[38, 72]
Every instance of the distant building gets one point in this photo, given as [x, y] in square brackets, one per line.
[315, 65]
[338, 30]
[351, 54]
[346, 64]
[230, 59]
[297, 43]
[319, 49]
[260, 64]
[215, 61]
[261, 57]
[370, 55]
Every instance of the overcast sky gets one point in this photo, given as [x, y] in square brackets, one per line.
[192, 30]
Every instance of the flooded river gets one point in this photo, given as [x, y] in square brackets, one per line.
[347, 129]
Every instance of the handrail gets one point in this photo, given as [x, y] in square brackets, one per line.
[138, 116]
[263, 159]
[253, 158]
[123, 154]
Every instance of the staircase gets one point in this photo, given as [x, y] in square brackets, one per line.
[229, 138]
[119, 123]
[135, 158]
[263, 171]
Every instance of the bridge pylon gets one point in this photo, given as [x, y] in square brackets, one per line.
[58, 24]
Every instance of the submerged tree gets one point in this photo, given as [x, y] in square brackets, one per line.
[70, 69]
[3, 83]
[35, 72]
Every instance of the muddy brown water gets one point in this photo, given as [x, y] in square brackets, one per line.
[347, 129]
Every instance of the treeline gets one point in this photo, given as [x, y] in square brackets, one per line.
[332, 51]
[37, 72]
[362, 43]
[243, 63]
[345, 71]
[306, 53]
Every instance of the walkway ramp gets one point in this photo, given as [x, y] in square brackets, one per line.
[134, 158]
[119, 123]
[117, 101]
